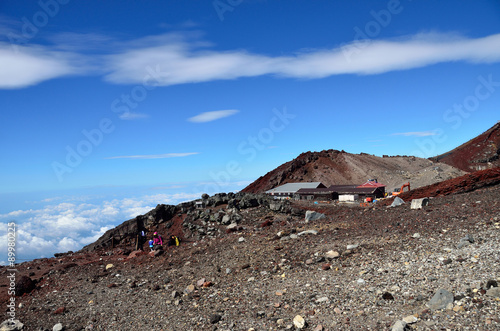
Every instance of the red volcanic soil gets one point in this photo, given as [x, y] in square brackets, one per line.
[462, 184]
[479, 153]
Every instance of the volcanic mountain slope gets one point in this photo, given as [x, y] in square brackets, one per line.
[332, 167]
[481, 152]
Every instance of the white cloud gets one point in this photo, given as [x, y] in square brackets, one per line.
[132, 116]
[416, 134]
[212, 115]
[170, 59]
[178, 62]
[68, 244]
[22, 66]
[152, 156]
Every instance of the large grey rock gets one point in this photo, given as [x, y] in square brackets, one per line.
[313, 215]
[494, 292]
[248, 201]
[400, 326]
[419, 203]
[466, 241]
[11, 325]
[226, 220]
[440, 300]
[275, 206]
[397, 202]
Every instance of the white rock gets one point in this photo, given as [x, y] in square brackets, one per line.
[307, 232]
[410, 319]
[332, 254]
[299, 322]
[399, 326]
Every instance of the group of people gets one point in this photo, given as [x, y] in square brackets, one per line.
[157, 242]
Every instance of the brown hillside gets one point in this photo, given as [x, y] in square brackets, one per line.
[333, 167]
[466, 183]
[479, 153]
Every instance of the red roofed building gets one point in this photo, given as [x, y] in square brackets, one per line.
[374, 184]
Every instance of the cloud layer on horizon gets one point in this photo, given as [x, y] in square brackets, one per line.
[172, 59]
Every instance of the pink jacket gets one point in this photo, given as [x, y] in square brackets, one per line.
[158, 241]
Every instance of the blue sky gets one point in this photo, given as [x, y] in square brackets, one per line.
[109, 108]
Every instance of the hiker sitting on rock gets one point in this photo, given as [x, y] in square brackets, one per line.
[157, 241]
[173, 241]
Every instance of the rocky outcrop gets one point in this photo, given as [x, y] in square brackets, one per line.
[128, 230]
[221, 209]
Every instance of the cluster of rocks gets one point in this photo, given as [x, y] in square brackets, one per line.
[200, 214]
[210, 220]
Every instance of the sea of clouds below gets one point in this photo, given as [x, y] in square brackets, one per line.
[68, 224]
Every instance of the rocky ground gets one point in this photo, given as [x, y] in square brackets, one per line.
[374, 268]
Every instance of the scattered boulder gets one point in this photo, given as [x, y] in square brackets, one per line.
[493, 292]
[189, 289]
[419, 203]
[400, 326]
[10, 325]
[24, 285]
[266, 223]
[215, 318]
[156, 253]
[299, 322]
[307, 232]
[135, 254]
[397, 202]
[313, 216]
[466, 241]
[441, 300]
[59, 310]
[332, 255]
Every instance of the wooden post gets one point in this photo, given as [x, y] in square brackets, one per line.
[112, 242]
[137, 243]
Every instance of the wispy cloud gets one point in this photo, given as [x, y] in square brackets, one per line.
[212, 115]
[416, 134]
[152, 156]
[183, 62]
[133, 116]
[183, 58]
[29, 65]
